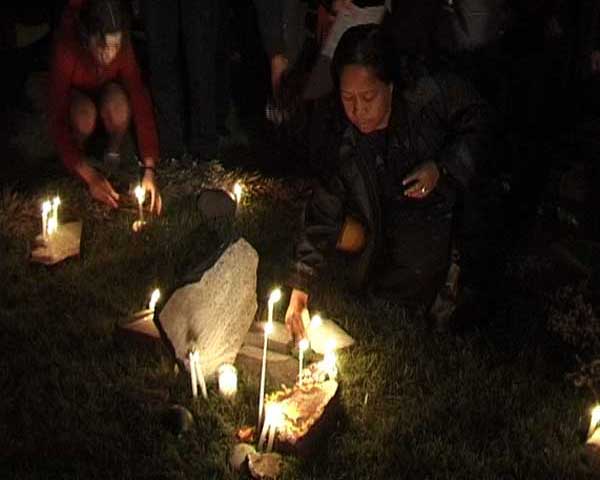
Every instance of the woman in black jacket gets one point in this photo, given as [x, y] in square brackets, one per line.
[406, 151]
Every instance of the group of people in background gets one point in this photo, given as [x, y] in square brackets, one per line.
[404, 104]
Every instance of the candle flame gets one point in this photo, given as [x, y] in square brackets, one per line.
[154, 299]
[55, 202]
[595, 419]
[237, 191]
[303, 345]
[275, 296]
[274, 414]
[140, 194]
[46, 207]
[316, 321]
[268, 328]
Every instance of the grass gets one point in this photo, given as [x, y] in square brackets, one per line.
[78, 401]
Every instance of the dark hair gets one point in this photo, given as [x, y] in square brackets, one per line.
[363, 45]
[102, 17]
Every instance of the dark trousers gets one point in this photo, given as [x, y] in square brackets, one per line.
[182, 40]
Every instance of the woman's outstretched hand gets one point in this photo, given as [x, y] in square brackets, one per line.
[422, 180]
[297, 315]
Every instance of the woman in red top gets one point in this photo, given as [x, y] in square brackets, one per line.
[94, 74]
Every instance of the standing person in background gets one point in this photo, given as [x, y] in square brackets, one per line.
[94, 73]
[182, 40]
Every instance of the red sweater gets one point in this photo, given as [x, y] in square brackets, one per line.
[74, 67]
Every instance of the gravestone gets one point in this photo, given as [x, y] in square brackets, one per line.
[212, 313]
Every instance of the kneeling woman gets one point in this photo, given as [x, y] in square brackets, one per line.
[94, 74]
[405, 153]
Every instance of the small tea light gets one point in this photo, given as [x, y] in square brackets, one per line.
[228, 380]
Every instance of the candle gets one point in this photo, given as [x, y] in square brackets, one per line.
[46, 207]
[594, 420]
[302, 346]
[154, 299]
[55, 205]
[263, 435]
[237, 192]
[328, 364]
[140, 194]
[275, 422]
[194, 380]
[263, 370]
[200, 375]
[273, 299]
[227, 380]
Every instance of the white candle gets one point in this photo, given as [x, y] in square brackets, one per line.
[194, 380]
[46, 207]
[140, 194]
[154, 299]
[275, 422]
[328, 364]
[274, 297]
[302, 346]
[55, 205]
[263, 371]
[200, 376]
[237, 192]
[263, 435]
[227, 380]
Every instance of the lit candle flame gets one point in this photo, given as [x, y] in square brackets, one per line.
[274, 414]
[237, 192]
[594, 420]
[316, 321]
[140, 194]
[154, 299]
[275, 296]
[303, 345]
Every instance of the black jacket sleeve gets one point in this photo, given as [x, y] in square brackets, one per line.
[322, 222]
[469, 120]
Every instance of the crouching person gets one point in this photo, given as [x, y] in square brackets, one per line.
[95, 79]
[407, 150]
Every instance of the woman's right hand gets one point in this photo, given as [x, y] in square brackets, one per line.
[297, 314]
[99, 187]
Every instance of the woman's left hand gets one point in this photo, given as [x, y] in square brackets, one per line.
[149, 184]
[423, 180]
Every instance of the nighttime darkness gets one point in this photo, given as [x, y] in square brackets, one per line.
[300, 239]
